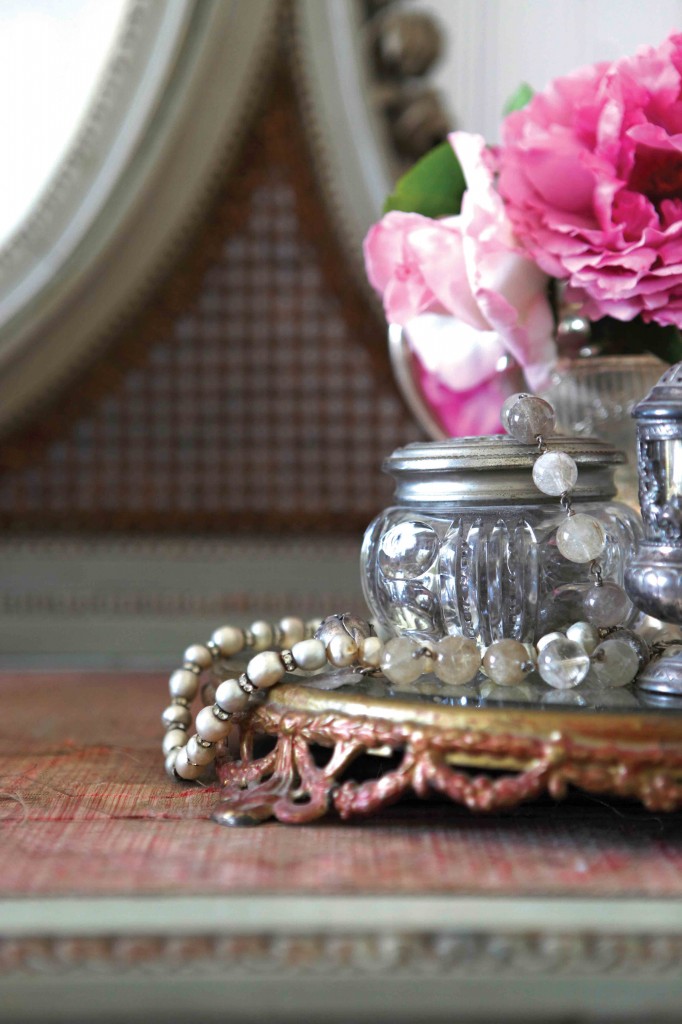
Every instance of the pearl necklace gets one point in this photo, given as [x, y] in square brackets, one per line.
[345, 641]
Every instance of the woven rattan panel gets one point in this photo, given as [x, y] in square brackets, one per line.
[261, 402]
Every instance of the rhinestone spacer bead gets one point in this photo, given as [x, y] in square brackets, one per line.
[288, 660]
[191, 666]
[220, 714]
[245, 684]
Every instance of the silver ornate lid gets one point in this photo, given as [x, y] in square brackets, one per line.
[664, 401]
[495, 469]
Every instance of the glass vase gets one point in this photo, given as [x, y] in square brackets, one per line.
[594, 396]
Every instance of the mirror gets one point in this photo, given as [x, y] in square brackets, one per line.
[52, 56]
[160, 106]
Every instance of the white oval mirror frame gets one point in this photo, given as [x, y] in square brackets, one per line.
[178, 89]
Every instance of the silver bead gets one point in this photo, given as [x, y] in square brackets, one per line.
[183, 683]
[343, 624]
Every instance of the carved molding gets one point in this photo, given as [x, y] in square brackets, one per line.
[385, 954]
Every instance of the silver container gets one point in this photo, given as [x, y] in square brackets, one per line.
[469, 547]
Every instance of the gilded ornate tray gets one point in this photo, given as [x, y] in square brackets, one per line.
[342, 743]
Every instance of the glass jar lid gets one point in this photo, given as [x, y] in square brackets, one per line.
[495, 469]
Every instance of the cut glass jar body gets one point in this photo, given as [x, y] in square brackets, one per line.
[470, 547]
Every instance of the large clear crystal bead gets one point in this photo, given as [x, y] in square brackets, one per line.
[506, 662]
[607, 604]
[401, 661]
[457, 660]
[581, 538]
[527, 417]
[585, 634]
[563, 664]
[555, 473]
[615, 663]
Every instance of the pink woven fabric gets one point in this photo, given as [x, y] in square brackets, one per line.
[85, 808]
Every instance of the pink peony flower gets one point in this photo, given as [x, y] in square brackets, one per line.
[463, 288]
[591, 172]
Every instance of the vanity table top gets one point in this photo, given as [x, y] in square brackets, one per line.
[103, 860]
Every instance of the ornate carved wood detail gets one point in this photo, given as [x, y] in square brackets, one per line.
[254, 391]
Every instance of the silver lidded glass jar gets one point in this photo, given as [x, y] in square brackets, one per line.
[469, 548]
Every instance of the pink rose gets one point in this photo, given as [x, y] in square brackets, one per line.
[591, 172]
[466, 293]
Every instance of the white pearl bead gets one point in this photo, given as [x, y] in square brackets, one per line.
[198, 654]
[342, 650]
[211, 728]
[230, 697]
[229, 640]
[312, 626]
[262, 633]
[186, 770]
[183, 683]
[457, 661]
[506, 662]
[265, 669]
[585, 634]
[309, 655]
[615, 663]
[563, 664]
[169, 764]
[401, 663]
[555, 473]
[198, 753]
[174, 738]
[292, 630]
[370, 650]
[581, 538]
[547, 639]
[176, 714]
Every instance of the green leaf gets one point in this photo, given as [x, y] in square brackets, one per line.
[518, 100]
[433, 187]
